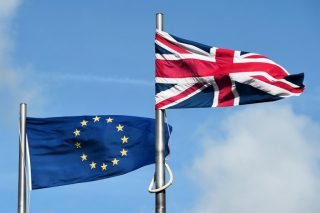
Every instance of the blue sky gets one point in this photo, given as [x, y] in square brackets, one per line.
[97, 57]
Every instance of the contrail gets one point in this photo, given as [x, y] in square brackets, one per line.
[99, 79]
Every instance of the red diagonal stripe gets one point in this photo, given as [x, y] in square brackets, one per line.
[170, 44]
[179, 96]
[272, 69]
[280, 84]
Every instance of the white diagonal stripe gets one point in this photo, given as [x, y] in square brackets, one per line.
[263, 86]
[186, 97]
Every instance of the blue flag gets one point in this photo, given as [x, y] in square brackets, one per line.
[67, 150]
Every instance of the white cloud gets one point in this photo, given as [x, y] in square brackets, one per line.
[7, 12]
[8, 76]
[15, 86]
[265, 162]
[8, 8]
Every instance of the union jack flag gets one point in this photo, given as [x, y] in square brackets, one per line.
[192, 75]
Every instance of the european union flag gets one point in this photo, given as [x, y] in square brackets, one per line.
[67, 150]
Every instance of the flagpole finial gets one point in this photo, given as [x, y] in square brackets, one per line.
[159, 21]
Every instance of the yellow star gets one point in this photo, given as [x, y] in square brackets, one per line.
[124, 152]
[119, 127]
[96, 119]
[84, 123]
[93, 165]
[115, 162]
[84, 157]
[124, 139]
[104, 167]
[76, 133]
[109, 120]
[78, 145]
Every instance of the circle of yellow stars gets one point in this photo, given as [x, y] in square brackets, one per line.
[84, 157]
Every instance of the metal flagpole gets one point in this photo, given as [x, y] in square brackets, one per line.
[160, 147]
[22, 161]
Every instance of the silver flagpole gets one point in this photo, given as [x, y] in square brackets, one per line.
[22, 161]
[160, 146]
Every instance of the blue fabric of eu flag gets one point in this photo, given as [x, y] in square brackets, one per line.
[67, 150]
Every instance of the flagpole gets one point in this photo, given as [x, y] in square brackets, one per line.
[160, 147]
[22, 160]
